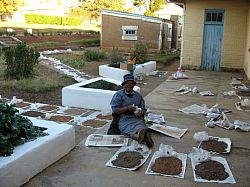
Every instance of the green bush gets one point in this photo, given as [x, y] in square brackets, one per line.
[94, 54]
[140, 52]
[15, 129]
[115, 57]
[20, 61]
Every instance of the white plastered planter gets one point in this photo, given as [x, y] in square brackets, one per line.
[89, 98]
[33, 157]
[117, 74]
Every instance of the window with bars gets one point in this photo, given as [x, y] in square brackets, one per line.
[129, 32]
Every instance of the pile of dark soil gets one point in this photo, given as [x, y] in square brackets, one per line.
[22, 104]
[128, 159]
[167, 165]
[102, 84]
[94, 123]
[107, 117]
[74, 111]
[244, 107]
[211, 170]
[59, 118]
[214, 145]
[48, 107]
[34, 114]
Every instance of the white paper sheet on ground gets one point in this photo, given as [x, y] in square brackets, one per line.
[142, 149]
[223, 122]
[158, 154]
[230, 93]
[103, 140]
[206, 93]
[244, 126]
[230, 179]
[225, 140]
[155, 118]
[168, 130]
[180, 75]
[194, 109]
[238, 107]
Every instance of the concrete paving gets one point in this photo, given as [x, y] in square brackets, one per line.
[85, 166]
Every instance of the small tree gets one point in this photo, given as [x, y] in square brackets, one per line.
[115, 57]
[140, 52]
[20, 61]
[8, 6]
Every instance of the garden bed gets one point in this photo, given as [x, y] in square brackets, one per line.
[32, 157]
[89, 98]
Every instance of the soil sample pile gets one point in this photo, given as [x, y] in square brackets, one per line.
[128, 159]
[94, 123]
[167, 165]
[59, 118]
[74, 111]
[214, 145]
[34, 114]
[48, 107]
[22, 104]
[211, 170]
[244, 107]
[107, 117]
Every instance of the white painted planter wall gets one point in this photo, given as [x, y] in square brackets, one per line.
[117, 74]
[33, 157]
[88, 98]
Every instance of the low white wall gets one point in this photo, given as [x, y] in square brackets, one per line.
[32, 157]
[113, 73]
[88, 98]
[117, 74]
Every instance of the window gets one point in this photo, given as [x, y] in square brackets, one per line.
[129, 32]
[215, 17]
[169, 32]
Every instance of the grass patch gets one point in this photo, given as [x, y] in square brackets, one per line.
[164, 58]
[73, 61]
[84, 42]
[44, 80]
[92, 55]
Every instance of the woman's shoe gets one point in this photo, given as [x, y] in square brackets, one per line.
[148, 139]
[141, 135]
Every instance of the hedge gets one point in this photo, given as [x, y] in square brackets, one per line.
[55, 20]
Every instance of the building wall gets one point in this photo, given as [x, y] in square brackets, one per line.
[247, 50]
[111, 32]
[234, 34]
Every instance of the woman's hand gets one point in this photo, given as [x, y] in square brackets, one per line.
[131, 108]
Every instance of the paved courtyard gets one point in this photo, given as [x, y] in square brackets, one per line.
[85, 166]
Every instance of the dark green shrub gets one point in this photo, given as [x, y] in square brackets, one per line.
[102, 84]
[140, 52]
[20, 61]
[15, 129]
[115, 57]
[94, 54]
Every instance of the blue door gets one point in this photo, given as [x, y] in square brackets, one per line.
[212, 40]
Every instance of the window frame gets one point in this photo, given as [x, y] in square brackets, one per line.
[126, 35]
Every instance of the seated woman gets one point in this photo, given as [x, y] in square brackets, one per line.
[130, 105]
